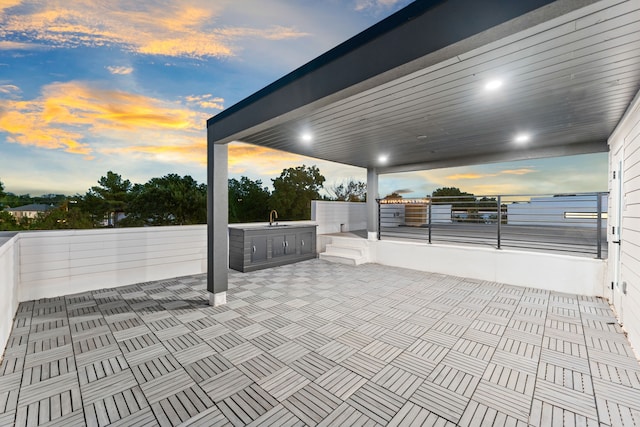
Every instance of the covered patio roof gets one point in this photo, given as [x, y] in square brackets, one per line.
[412, 87]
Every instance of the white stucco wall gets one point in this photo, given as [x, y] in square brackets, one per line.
[560, 273]
[8, 287]
[336, 217]
[625, 144]
[53, 263]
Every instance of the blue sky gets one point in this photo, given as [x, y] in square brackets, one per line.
[87, 87]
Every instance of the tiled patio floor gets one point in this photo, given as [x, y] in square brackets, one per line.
[319, 344]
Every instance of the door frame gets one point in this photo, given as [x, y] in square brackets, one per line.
[615, 231]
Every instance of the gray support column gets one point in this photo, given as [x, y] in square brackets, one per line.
[217, 221]
[372, 205]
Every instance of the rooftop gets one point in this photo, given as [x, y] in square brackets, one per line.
[317, 343]
[454, 83]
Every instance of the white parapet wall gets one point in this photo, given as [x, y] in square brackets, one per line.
[53, 263]
[561, 273]
[337, 217]
[8, 287]
[43, 264]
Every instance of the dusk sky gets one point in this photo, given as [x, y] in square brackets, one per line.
[90, 86]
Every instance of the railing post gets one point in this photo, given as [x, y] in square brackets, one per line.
[379, 215]
[429, 222]
[599, 225]
[499, 220]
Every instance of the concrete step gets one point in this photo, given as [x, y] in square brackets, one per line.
[347, 251]
[339, 259]
[349, 242]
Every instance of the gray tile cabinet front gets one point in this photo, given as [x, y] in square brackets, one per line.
[257, 247]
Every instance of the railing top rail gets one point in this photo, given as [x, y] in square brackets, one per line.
[479, 197]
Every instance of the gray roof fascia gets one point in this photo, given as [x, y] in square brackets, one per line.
[362, 61]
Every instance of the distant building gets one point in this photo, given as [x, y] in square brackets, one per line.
[29, 211]
[559, 210]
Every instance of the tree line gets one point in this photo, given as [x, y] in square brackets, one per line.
[176, 200]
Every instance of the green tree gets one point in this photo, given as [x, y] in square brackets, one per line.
[248, 200]
[94, 206]
[463, 204]
[8, 222]
[293, 191]
[351, 191]
[169, 200]
[62, 217]
[114, 195]
[2, 193]
[12, 200]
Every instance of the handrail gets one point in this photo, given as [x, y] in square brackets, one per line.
[574, 223]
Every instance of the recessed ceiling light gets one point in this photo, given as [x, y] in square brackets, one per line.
[383, 158]
[306, 137]
[493, 84]
[521, 138]
[421, 136]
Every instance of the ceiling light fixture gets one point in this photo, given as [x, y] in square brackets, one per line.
[521, 138]
[493, 84]
[383, 158]
[306, 137]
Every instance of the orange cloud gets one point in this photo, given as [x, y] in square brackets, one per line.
[458, 176]
[266, 161]
[472, 175]
[22, 121]
[192, 151]
[522, 171]
[207, 101]
[182, 29]
[80, 118]
[6, 4]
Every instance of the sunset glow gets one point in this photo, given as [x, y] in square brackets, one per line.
[88, 87]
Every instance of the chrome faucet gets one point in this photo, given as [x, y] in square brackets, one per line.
[271, 214]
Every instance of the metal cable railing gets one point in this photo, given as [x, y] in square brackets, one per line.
[574, 223]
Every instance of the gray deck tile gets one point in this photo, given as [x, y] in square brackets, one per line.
[364, 364]
[347, 415]
[180, 407]
[115, 383]
[283, 383]
[318, 343]
[341, 382]
[166, 385]
[207, 367]
[9, 389]
[312, 365]
[227, 341]
[196, 352]
[226, 383]
[211, 417]
[376, 402]
[117, 407]
[269, 341]
[544, 414]
[479, 415]
[504, 400]
[440, 400]
[247, 405]
[155, 368]
[396, 380]
[311, 404]
[261, 366]
[414, 415]
[562, 397]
